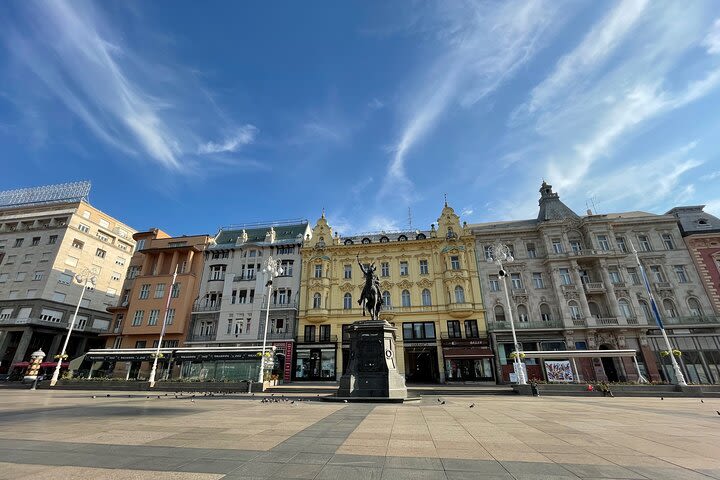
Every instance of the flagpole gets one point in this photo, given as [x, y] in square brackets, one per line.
[162, 330]
[680, 378]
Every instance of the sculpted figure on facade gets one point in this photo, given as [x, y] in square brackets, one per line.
[371, 297]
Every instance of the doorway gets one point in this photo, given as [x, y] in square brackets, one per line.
[608, 363]
[422, 366]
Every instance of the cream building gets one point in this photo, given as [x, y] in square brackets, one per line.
[47, 236]
[431, 294]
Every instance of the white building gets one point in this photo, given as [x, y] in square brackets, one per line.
[231, 306]
[47, 236]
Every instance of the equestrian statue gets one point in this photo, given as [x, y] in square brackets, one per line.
[370, 298]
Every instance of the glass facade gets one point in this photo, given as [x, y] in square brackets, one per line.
[315, 364]
[468, 369]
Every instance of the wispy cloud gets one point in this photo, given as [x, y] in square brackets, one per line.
[125, 99]
[712, 40]
[482, 46]
[243, 136]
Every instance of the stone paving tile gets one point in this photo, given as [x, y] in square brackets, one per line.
[348, 472]
[402, 474]
[413, 463]
[298, 470]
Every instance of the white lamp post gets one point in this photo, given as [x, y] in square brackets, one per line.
[501, 253]
[679, 377]
[162, 330]
[271, 268]
[85, 277]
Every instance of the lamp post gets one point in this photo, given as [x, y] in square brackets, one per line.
[85, 277]
[679, 377]
[500, 253]
[271, 268]
[162, 330]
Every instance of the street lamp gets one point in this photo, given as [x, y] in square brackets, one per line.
[500, 253]
[679, 377]
[85, 277]
[271, 268]
[162, 330]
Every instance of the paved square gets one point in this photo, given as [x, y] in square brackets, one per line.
[68, 434]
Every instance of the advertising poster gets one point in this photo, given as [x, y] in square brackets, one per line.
[558, 371]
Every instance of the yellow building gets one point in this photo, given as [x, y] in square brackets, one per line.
[431, 294]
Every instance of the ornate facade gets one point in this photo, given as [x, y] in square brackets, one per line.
[430, 290]
[574, 284]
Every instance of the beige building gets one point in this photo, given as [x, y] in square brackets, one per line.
[47, 236]
[430, 291]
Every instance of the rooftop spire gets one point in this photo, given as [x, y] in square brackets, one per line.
[551, 207]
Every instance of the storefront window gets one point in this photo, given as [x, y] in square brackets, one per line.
[469, 369]
[327, 364]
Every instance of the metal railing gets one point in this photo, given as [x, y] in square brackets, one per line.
[579, 322]
[693, 320]
[448, 336]
[318, 338]
[62, 324]
[607, 321]
[202, 338]
[242, 278]
[280, 306]
[594, 287]
[530, 325]
[207, 306]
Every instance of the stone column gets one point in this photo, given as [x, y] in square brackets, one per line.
[565, 314]
[147, 263]
[54, 346]
[160, 264]
[582, 298]
[81, 347]
[190, 256]
[610, 289]
[174, 261]
[441, 362]
[23, 345]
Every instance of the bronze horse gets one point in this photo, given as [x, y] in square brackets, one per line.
[370, 298]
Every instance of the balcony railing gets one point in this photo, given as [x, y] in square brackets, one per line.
[662, 285]
[63, 324]
[242, 278]
[281, 306]
[594, 287]
[530, 325]
[693, 320]
[607, 321]
[318, 339]
[207, 306]
[208, 337]
[287, 332]
[579, 322]
[447, 336]
[519, 291]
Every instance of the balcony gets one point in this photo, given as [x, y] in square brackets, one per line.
[280, 306]
[607, 321]
[579, 322]
[460, 310]
[594, 287]
[519, 291]
[454, 336]
[207, 306]
[662, 285]
[243, 278]
[318, 339]
[63, 324]
[531, 325]
[695, 320]
[207, 337]
[285, 333]
[568, 288]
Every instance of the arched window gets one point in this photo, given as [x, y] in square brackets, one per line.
[459, 294]
[405, 298]
[575, 312]
[386, 299]
[522, 313]
[499, 313]
[669, 307]
[347, 301]
[625, 309]
[316, 300]
[695, 308]
[647, 313]
[594, 309]
[545, 313]
[426, 299]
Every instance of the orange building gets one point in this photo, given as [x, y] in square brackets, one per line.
[137, 320]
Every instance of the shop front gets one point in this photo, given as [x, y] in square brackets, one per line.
[468, 360]
[421, 363]
[315, 362]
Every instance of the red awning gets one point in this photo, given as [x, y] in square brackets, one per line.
[52, 364]
[21, 364]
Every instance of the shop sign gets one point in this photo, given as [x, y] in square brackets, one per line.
[120, 357]
[195, 356]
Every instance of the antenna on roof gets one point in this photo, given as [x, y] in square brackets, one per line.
[591, 206]
[445, 194]
[409, 219]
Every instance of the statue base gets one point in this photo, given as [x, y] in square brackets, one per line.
[372, 368]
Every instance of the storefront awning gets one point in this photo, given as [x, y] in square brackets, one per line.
[579, 353]
[125, 354]
[466, 352]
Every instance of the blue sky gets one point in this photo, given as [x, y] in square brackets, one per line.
[191, 115]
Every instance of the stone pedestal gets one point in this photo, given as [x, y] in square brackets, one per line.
[372, 367]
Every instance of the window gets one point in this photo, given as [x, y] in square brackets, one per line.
[6, 313]
[35, 242]
[603, 242]
[576, 246]
[499, 313]
[64, 278]
[557, 245]
[140, 245]
[286, 250]
[120, 261]
[103, 223]
[695, 308]
[50, 315]
[575, 312]
[644, 243]
[39, 275]
[647, 313]
[100, 253]
[287, 267]
[471, 329]
[668, 241]
[614, 275]
[494, 283]
[531, 251]
[516, 281]
[348, 271]
[110, 292]
[681, 274]
[27, 258]
[657, 273]
[384, 269]
[565, 276]
[318, 271]
[144, 291]
[386, 299]
[249, 271]
[170, 316]
[18, 242]
[133, 272]
[138, 318]
[423, 267]
[634, 276]
[3, 277]
[454, 329]
[83, 228]
[20, 276]
[426, 298]
[538, 280]
[545, 313]
[115, 276]
[459, 294]
[625, 309]
[669, 307]
[522, 313]
[175, 291]
[77, 244]
[141, 344]
[324, 333]
[403, 268]
[405, 298]
[217, 272]
[309, 333]
[31, 293]
[45, 256]
[160, 290]
[153, 317]
[455, 262]
[347, 301]
[621, 244]
[316, 300]
[419, 331]
[13, 294]
[488, 252]
[52, 239]
[10, 259]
